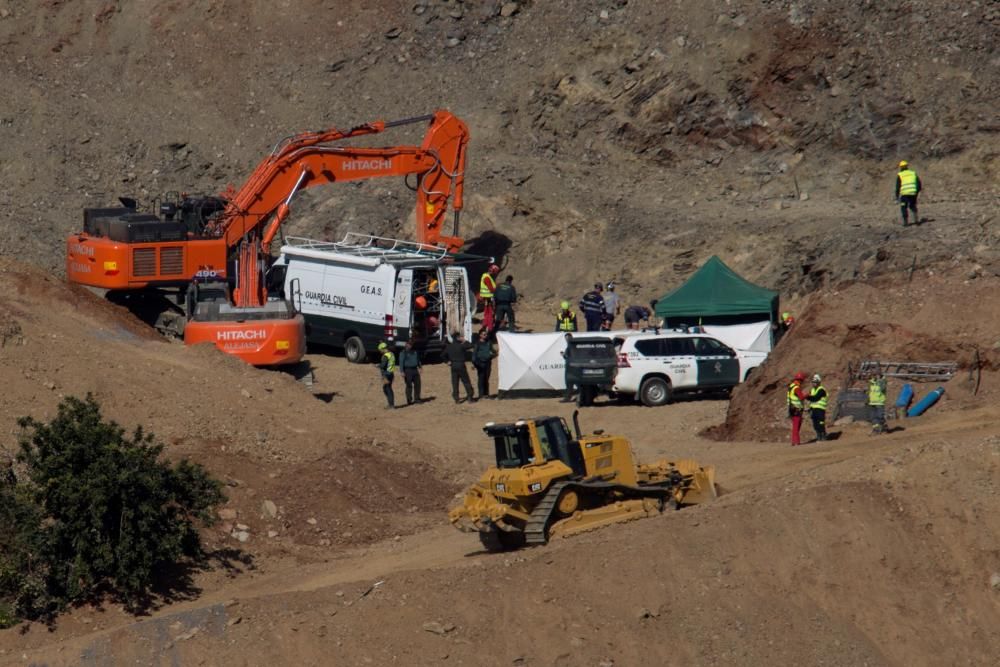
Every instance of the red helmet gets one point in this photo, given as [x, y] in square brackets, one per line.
[799, 376]
[494, 269]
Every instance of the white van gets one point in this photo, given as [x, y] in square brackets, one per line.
[364, 290]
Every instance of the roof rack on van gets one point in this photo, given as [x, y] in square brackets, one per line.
[383, 249]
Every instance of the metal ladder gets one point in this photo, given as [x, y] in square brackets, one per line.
[367, 245]
[907, 370]
[456, 298]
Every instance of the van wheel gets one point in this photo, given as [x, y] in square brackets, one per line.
[654, 392]
[354, 350]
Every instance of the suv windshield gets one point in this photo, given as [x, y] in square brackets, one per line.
[598, 349]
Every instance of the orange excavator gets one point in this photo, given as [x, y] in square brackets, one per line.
[196, 268]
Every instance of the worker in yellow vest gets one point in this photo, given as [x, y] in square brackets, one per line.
[487, 288]
[387, 369]
[796, 402]
[907, 188]
[565, 318]
[876, 403]
[488, 283]
[818, 398]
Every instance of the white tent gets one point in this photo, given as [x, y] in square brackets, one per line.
[531, 361]
[755, 336]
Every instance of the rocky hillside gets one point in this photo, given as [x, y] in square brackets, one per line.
[766, 132]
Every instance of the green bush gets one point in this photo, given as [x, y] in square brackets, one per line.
[98, 513]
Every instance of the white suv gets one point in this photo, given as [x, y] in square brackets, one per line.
[653, 366]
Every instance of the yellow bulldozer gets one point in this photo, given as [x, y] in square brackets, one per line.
[548, 483]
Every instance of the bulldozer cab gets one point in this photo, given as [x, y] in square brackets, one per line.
[535, 441]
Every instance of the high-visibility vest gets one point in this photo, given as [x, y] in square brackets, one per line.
[567, 321]
[818, 403]
[876, 393]
[907, 182]
[390, 362]
[487, 285]
[793, 396]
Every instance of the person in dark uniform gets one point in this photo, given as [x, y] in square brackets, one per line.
[592, 305]
[482, 359]
[568, 396]
[387, 368]
[454, 353]
[409, 361]
[505, 297]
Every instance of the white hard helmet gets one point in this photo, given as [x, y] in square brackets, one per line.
[817, 378]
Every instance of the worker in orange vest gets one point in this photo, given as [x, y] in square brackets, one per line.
[796, 403]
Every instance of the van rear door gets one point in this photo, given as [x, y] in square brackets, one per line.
[402, 305]
[457, 311]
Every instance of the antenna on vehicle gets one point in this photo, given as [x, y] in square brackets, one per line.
[576, 424]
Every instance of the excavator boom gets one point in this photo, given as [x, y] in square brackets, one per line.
[306, 160]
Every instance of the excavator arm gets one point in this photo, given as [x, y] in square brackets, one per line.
[307, 160]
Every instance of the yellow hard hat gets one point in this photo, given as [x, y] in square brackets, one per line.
[903, 163]
[564, 305]
[382, 346]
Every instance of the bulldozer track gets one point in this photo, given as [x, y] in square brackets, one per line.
[535, 530]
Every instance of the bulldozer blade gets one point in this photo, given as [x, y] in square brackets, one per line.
[702, 487]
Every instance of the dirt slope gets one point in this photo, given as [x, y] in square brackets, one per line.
[846, 552]
[929, 317]
[841, 562]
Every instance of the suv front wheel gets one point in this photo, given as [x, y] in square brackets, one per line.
[655, 391]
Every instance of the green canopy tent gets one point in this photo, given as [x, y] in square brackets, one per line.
[716, 294]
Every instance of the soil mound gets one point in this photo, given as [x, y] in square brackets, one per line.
[932, 318]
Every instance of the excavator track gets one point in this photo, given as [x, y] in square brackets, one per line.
[536, 530]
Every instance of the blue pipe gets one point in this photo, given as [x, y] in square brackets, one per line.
[926, 402]
[905, 396]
